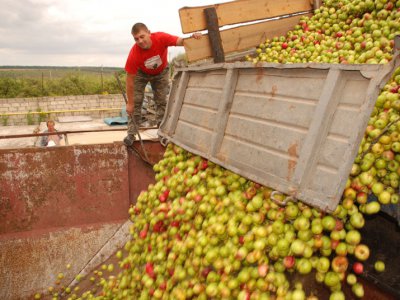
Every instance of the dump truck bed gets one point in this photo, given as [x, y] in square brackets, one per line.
[293, 127]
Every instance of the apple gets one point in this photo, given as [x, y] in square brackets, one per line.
[351, 279]
[350, 193]
[347, 203]
[358, 268]
[357, 220]
[328, 223]
[372, 207]
[379, 266]
[298, 294]
[384, 197]
[323, 264]
[331, 279]
[361, 252]
[395, 147]
[362, 197]
[303, 266]
[393, 165]
[337, 295]
[358, 290]
[353, 237]
[316, 226]
[366, 178]
[394, 199]
[388, 155]
[301, 223]
[377, 188]
[341, 249]
[289, 261]
[340, 264]
[297, 247]
[380, 163]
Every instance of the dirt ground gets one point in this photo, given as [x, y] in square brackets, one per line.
[72, 138]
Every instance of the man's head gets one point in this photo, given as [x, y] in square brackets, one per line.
[50, 125]
[141, 35]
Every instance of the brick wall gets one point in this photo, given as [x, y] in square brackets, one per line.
[84, 105]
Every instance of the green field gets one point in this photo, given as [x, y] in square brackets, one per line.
[23, 81]
[54, 72]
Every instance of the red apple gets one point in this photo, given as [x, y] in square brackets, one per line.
[358, 268]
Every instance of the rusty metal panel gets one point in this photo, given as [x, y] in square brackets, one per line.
[141, 173]
[30, 261]
[293, 127]
[65, 205]
[62, 186]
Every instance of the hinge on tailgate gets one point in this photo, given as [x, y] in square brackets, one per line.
[283, 200]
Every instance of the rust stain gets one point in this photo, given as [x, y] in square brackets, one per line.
[274, 90]
[260, 73]
[140, 174]
[292, 160]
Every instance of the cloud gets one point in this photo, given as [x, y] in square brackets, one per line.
[81, 32]
[28, 27]
[32, 30]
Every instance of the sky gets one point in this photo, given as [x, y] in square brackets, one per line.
[82, 32]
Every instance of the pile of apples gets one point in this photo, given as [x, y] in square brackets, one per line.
[345, 31]
[376, 169]
[354, 31]
[204, 232]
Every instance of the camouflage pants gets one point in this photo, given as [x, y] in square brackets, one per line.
[159, 84]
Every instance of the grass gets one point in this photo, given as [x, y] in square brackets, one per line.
[55, 72]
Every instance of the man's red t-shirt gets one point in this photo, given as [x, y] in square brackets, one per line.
[154, 60]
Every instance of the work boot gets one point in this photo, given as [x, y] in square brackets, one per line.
[128, 140]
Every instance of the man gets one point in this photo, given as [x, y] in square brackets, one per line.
[147, 63]
[50, 140]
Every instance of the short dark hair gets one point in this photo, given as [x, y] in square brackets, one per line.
[138, 27]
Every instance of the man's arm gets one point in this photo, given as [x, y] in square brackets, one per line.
[196, 35]
[130, 82]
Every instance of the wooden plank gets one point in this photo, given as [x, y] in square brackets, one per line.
[193, 19]
[318, 130]
[214, 35]
[224, 109]
[239, 38]
[178, 100]
[317, 4]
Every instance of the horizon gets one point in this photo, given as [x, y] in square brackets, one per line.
[60, 66]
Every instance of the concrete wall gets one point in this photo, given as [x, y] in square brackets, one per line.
[85, 105]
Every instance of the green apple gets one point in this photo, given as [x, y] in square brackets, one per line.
[379, 266]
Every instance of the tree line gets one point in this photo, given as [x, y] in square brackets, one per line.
[74, 83]
[30, 81]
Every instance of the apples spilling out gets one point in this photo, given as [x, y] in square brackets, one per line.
[204, 232]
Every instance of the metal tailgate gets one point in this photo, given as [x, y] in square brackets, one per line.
[293, 127]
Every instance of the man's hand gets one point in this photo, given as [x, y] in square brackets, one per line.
[129, 108]
[197, 35]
